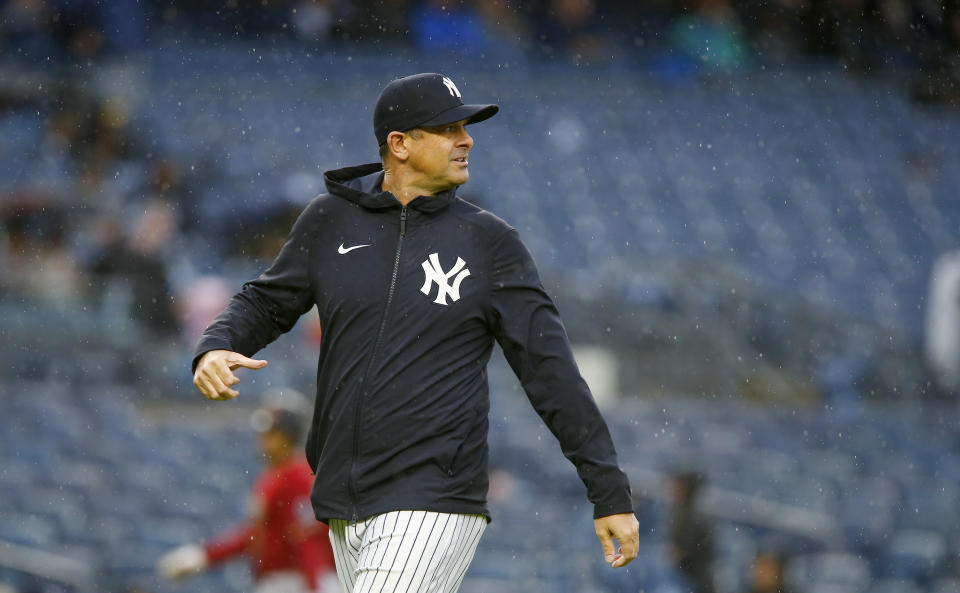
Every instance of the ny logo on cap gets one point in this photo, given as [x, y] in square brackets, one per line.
[454, 91]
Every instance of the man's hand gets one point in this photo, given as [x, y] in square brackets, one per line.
[214, 374]
[625, 528]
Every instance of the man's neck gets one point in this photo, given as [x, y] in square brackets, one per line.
[405, 188]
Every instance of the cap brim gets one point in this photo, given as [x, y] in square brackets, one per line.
[471, 113]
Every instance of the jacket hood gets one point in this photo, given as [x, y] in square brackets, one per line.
[361, 184]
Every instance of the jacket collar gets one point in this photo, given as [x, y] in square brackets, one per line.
[362, 185]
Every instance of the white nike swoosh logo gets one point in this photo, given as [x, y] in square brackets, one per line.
[342, 250]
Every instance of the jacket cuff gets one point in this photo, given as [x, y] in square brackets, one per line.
[206, 346]
[606, 509]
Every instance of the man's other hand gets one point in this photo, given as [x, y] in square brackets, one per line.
[626, 530]
[214, 374]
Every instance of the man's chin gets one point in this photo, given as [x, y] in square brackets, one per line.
[452, 180]
[460, 177]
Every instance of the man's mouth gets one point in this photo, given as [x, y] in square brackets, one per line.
[461, 159]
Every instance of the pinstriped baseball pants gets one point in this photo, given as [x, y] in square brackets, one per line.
[405, 551]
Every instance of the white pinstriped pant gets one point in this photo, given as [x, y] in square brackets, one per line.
[405, 551]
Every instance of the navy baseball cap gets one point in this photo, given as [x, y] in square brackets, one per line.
[423, 100]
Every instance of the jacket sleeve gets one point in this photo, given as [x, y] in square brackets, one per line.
[534, 341]
[267, 307]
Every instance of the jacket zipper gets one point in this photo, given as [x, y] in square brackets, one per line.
[373, 358]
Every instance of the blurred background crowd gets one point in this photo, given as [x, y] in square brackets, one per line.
[747, 211]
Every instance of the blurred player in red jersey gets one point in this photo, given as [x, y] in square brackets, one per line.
[288, 549]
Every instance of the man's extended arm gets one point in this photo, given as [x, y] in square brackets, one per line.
[534, 341]
[263, 310]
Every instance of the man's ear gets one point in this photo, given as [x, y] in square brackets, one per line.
[397, 145]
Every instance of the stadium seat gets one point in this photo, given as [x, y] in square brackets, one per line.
[831, 572]
[915, 554]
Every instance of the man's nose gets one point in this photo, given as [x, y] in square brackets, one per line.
[465, 140]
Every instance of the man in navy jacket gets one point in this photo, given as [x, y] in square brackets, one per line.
[412, 285]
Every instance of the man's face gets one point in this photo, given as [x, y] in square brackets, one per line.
[440, 155]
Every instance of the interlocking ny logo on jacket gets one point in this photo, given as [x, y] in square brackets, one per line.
[433, 273]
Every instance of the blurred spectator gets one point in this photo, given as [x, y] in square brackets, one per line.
[504, 23]
[938, 43]
[373, 20]
[200, 304]
[265, 230]
[313, 19]
[768, 574]
[862, 34]
[165, 181]
[309, 20]
[943, 322]
[772, 26]
[709, 37]
[439, 25]
[503, 486]
[573, 28]
[287, 548]
[134, 262]
[36, 260]
[89, 146]
[835, 29]
[85, 29]
[691, 533]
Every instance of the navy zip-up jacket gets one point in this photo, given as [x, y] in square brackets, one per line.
[410, 300]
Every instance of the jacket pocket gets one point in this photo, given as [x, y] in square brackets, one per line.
[448, 461]
[449, 467]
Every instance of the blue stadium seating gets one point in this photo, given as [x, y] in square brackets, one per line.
[804, 179]
[804, 186]
[99, 480]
